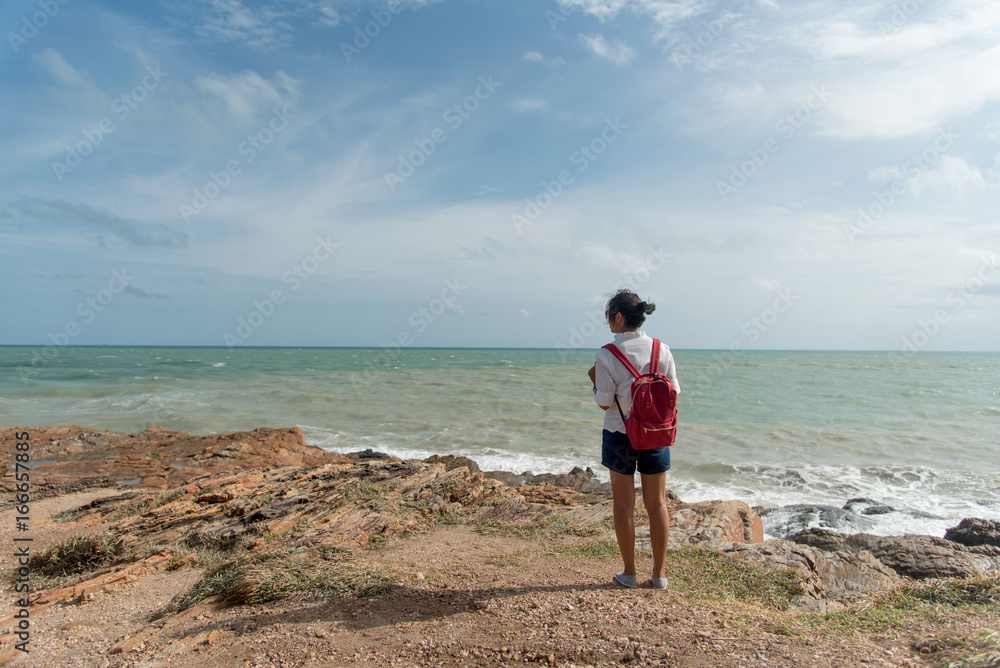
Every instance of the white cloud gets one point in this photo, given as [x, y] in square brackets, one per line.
[603, 257]
[328, 17]
[620, 54]
[908, 81]
[231, 21]
[59, 69]
[248, 94]
[529, 104]
[953, 176]
[667, 13]
[537, 57]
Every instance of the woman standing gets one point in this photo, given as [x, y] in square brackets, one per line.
[625, 314]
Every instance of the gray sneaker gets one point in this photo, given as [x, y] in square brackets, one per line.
[629, 581]
[659, 583]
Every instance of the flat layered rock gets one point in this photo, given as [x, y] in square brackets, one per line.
[921, 557]
[844, 576]
[70, 458]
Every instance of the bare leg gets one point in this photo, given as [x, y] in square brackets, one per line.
[623, 500]
[654, 496]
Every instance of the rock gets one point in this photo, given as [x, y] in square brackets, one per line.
[580, 480]
[730, 521]
[506, 477]
[515, 511]
[77, 459]
[821, 539]
[549, 493]
[974, 531]
[922, 557]
[453, 461]
[845, 577]
[369, 455]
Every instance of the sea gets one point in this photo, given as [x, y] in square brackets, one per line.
[851, 441]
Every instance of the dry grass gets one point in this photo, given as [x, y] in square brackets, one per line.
[976, 651]
[82, 554]
[282, 572]
[548, 527]
[923, 600]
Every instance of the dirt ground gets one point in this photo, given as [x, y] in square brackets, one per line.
[462, 599]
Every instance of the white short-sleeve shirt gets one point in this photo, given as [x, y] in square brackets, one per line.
[613, 379]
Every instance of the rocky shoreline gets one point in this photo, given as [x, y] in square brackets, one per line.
[179, 492]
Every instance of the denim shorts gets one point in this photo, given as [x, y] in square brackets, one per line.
[618, 455]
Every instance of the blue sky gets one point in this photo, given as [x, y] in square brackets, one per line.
[773, 175]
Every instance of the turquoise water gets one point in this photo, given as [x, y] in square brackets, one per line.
[772, 428]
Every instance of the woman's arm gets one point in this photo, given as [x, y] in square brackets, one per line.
[606, 388]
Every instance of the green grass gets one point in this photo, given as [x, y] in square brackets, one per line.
[924, 600]
[710, 574]
[361, 491]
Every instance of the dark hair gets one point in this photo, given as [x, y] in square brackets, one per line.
[628, 304]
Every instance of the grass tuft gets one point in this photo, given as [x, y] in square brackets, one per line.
[919, 600]
[286, 572]
[713, 574]
[83, 554]
[977, 651]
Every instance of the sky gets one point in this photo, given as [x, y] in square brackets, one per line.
[772, 175]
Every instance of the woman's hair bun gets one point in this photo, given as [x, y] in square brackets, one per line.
[644, 308]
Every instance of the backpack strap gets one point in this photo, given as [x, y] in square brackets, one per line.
[654, 364]
[614, 350]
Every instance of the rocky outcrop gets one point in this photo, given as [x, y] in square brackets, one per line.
[844, 577]
[973, 531]
[69, 458]
[922, 557]
[247, 488]
[454, 461]
[583, 481]
[917, 557]
[728, 521]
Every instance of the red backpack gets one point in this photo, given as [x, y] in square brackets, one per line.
[653, 420]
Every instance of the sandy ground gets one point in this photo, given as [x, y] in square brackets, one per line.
[463, 599]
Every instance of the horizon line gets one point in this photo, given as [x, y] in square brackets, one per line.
[292, 347]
